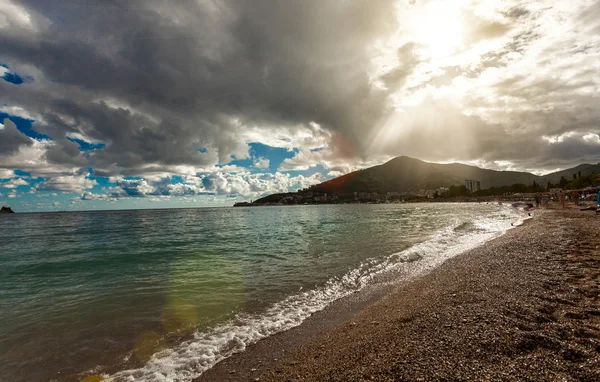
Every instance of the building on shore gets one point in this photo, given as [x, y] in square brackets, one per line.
[473, 185]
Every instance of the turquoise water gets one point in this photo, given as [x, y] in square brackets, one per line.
[158, 294]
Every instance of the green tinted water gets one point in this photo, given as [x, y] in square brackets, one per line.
[97, 292]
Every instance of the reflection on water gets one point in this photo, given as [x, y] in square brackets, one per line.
[97, 292]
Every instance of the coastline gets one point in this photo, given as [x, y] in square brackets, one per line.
[522, 305]
[453, 199]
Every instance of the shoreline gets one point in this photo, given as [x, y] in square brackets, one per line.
[454, 199]
[501, 311]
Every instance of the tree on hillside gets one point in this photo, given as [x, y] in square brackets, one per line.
[535, 187]
[574, 176]
[583, 181]
[563, 182]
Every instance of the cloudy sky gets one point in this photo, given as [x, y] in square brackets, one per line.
[158, 103]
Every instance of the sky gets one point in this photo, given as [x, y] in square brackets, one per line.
[153, 104]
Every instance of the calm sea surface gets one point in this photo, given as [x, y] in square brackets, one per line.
[162, 295]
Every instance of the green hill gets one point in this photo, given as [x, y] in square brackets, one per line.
[404, 174]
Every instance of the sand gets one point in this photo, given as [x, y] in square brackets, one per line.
[524, 306]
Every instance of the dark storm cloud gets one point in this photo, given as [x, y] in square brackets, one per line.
[158, 82]
[12, 139]
[66, 153]
[187, 67]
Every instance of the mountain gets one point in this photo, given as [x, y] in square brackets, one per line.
[583, 169]
[405, 174]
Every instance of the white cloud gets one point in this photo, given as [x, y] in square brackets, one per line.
[91, 196]
[114, 179]
[46, 195]
[132, 188]
[262, 163]
[287, 137]
[19, 112]
[243, 184]
[306, 159]
[83, 137]
[14, 183]
[181, 189]
[70, 183]
[334, 174]
[32, 159]
[303, 160]
[592, 137]
[12, 15]
[258, 184]
[6, 174]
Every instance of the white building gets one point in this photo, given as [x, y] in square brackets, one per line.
[473, 185]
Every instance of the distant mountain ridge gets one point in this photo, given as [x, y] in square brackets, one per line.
[405, 174]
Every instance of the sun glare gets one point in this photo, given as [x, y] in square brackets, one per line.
[438, 27]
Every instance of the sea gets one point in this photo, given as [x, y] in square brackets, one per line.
[163, 295]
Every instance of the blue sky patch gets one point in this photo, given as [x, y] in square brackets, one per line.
[13, 77]
[239, 162]
[21, 173]
[87, 146]
[25, 126]
[275, 155]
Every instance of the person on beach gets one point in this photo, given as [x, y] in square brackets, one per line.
[537, 200]
[561, 198]
[542, 199]
[546, 200]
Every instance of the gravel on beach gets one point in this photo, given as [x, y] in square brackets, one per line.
[524, 306]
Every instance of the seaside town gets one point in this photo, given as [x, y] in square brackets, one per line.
[470, 192]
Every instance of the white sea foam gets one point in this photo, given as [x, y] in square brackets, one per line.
[191, 358]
